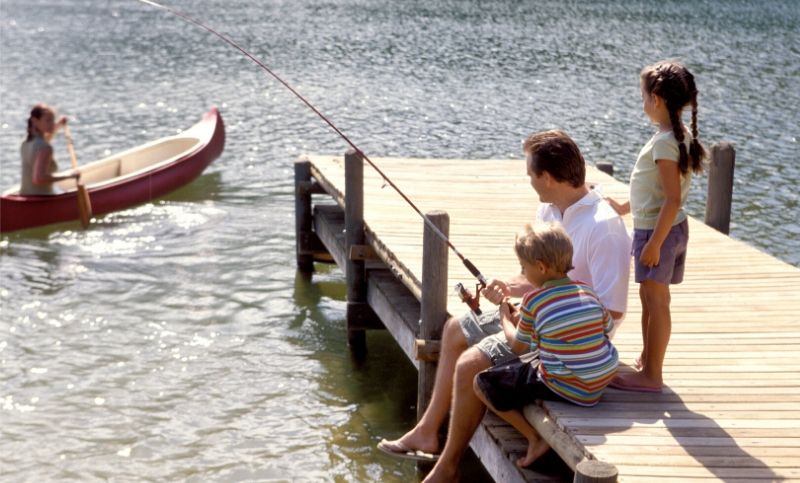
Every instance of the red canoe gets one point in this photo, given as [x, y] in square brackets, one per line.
[124, 179]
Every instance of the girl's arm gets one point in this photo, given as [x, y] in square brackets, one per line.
[671, 182]
[621, 208]
[41, 169]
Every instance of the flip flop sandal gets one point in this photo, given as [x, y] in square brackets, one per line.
[618, 383]
[399, 450]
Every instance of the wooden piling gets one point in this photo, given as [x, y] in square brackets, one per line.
[593, 471]
[354, 237]
[433, 305]
[302, 215]
[605, 166]
[720, 187]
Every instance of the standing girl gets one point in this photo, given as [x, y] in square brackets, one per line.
[659, 185]
[38, 165]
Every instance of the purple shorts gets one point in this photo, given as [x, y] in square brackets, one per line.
[673, 255]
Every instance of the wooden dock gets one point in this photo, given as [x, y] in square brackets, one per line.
[731, 409]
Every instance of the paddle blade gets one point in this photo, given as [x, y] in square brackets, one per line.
[84, 206]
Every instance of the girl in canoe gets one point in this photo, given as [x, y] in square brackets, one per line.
[38, 165]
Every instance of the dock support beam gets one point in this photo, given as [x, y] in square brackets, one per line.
[355, 272]
[720, 187]
[433, 306]
[302, 216]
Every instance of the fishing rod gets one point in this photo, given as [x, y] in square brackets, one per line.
[465, 295]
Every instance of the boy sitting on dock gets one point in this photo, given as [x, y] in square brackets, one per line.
[563, 322]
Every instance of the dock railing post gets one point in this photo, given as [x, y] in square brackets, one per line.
[354, 235]
[720, 187]
[605, 166]
[433, 306]
[302, 215]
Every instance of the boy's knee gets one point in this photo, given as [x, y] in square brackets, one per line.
[471, 362]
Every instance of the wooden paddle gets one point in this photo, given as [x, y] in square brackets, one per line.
[84, 203]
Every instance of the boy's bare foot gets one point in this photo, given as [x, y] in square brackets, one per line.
[535, 450]
[636, 381]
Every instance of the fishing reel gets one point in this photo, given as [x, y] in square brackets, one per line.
[472, 301]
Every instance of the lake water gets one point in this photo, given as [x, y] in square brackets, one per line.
[174, 341]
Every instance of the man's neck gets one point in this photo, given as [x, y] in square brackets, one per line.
[569, 197]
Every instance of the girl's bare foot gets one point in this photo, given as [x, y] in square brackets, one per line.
[637, 363]
[535, 450]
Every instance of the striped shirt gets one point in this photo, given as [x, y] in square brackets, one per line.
[566, 322]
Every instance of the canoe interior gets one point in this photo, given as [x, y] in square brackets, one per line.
[126, 164]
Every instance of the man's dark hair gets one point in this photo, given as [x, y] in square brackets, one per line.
[557, 154]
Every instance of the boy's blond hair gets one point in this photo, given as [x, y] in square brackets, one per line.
[547, 243]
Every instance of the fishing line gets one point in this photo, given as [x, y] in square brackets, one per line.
[472, 269]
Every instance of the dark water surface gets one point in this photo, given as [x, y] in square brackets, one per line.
[173, 341]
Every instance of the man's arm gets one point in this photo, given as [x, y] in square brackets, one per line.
[518, 286]
[497, 290]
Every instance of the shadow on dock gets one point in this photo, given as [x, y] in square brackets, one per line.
[692, 433]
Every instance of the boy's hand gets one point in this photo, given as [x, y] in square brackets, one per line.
[496, 291]
[509, 312]
[651, 254]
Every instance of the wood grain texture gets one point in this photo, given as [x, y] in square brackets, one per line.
[731, 408]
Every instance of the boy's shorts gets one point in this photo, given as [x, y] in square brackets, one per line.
[514, 384]
[486, 333]
[672, 262]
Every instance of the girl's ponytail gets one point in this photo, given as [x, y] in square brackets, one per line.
[30, 129]
[696, 150]
[677, 130]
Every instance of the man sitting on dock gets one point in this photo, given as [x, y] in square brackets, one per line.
[473, 343]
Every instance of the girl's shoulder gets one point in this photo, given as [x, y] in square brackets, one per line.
[666, 146]
[665, 136]
[669, 137]
[35, 145]
[37, 142]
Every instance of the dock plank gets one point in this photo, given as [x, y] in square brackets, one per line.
[732, 371]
